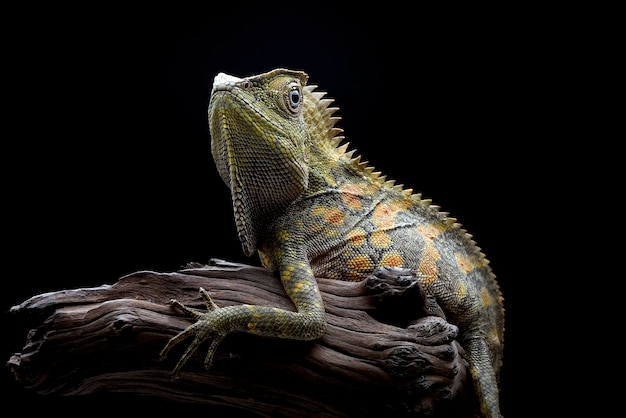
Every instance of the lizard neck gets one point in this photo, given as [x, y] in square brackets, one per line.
[328, 169]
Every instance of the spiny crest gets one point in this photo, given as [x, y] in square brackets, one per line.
[320, 118]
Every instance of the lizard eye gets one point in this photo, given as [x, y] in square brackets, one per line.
[294, 99]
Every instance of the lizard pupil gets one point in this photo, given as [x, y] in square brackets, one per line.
[294, 98]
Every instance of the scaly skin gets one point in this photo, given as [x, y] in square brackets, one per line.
[310, 209]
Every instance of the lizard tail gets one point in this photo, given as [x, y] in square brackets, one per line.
[484, 378]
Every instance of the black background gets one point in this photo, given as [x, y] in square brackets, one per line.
[106, 151]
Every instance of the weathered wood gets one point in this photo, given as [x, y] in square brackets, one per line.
[372, 360]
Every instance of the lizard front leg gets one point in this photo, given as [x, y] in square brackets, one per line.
[307, 323]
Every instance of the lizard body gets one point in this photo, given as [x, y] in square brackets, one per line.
[311, 209]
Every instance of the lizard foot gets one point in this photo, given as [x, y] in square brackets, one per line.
[212, 323]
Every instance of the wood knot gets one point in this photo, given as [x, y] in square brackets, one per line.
[400, 299]
[122, 327]
[406, 363]
[433, 330]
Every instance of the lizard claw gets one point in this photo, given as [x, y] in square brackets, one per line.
[210, 305]
[208, 324]
[197, 313]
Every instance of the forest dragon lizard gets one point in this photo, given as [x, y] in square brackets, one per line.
[311, 209]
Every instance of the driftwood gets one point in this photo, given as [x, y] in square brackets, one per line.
[387, 348]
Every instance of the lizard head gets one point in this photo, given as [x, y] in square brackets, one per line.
[258, 138]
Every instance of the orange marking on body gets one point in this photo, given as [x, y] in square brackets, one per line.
[297, 287]
[356, 237]
[371, 188]
[431, 230]
[319, 211]
[360, 262]
[351, 188]
[358, 266]
[351, 199]
[252, 323]
[285, 275]
[392, 259]
[334, 216]
[460, 290]
[485, 297]
[428, 264]
[265, 260]
[282, 236]
[277, 253]
[380, 239]
[464, 263]
[384, 214]
[350, 193]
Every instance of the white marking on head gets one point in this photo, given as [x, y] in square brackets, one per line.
[223, 79]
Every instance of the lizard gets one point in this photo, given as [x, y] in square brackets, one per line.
[310, 208]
